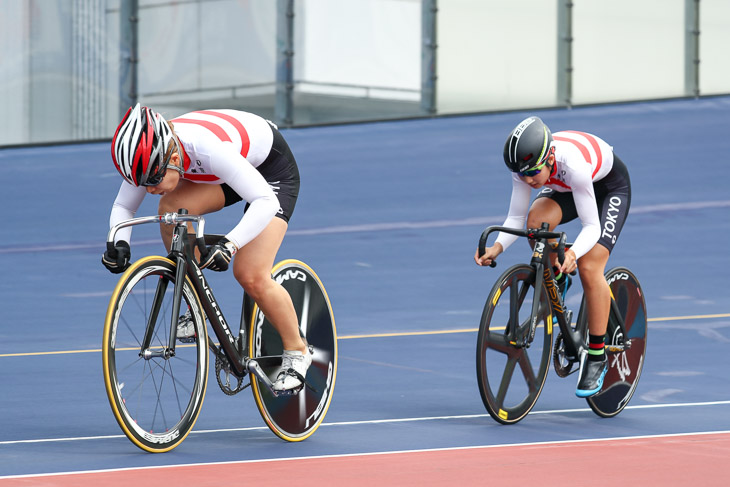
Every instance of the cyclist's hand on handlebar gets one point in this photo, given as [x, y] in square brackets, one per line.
[569, 263]
[490, 253]
[117, 259]
[218, 256]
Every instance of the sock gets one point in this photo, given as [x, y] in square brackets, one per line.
[559, 277]
[596, 347]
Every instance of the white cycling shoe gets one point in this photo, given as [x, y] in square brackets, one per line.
[186, 328]
[294, 366]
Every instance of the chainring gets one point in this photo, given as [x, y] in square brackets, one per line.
[223, 374]
[562, 364]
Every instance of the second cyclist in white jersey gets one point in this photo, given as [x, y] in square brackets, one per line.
[204, 161]
[579, 177]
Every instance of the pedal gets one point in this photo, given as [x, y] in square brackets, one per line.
[288, 392]
[296, 390]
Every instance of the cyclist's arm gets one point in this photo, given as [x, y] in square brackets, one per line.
[581, 184]
[125, 206]
[517, 214]
[233, 169]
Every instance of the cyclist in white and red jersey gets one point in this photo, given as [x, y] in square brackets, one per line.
[204, 161]
[580, 177]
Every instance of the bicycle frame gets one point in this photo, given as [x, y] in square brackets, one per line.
[234, 348]
[574, 340]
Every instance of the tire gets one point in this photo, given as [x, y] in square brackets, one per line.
[296, 417]
[157, 400]
[624, 367]
[511, 377]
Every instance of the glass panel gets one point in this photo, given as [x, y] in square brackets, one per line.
[627, 50]
[495, 55]
[14, 73]
[209, 54]
[356, 60]
[714, 40]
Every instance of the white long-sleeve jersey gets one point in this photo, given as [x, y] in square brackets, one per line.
[220, 146]
[580, 160]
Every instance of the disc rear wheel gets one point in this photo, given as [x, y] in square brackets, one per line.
[296, 417]
[625, 351]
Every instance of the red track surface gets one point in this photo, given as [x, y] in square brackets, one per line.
[700, 459]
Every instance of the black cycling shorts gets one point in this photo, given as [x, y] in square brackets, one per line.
[281, 172]
[613, 195]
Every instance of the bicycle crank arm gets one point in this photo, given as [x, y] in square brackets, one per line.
[521, 343]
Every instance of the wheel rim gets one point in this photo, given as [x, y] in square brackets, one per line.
[155, 400]
[511, 378]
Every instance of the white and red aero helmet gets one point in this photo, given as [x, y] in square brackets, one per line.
[139, 146]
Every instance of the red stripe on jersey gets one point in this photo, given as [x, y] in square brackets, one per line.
[186, 158]
[201, 177]
[556, 181]
[195, 177]
[216, 129]
[245, 141]
[583, 149]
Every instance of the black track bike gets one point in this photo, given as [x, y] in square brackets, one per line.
[156, 384]
[515, 341]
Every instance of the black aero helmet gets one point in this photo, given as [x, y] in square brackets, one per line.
[527, 145]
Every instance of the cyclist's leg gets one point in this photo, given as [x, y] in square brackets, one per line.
[613, 197]
[591, 267]
[253, 263]
[597, 296]
[613, 202]
[198, 199]
[548, 207]
[544, 209]
[252, 268]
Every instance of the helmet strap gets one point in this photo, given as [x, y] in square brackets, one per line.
[176, 148]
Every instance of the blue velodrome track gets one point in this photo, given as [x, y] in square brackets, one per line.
[389, 216]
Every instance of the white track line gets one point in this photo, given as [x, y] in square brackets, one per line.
[380, 421]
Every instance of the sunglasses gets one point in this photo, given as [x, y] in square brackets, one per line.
[161, 169]
[536, 169]
[155, 179]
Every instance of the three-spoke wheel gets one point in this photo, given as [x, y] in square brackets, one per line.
[511, 370]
